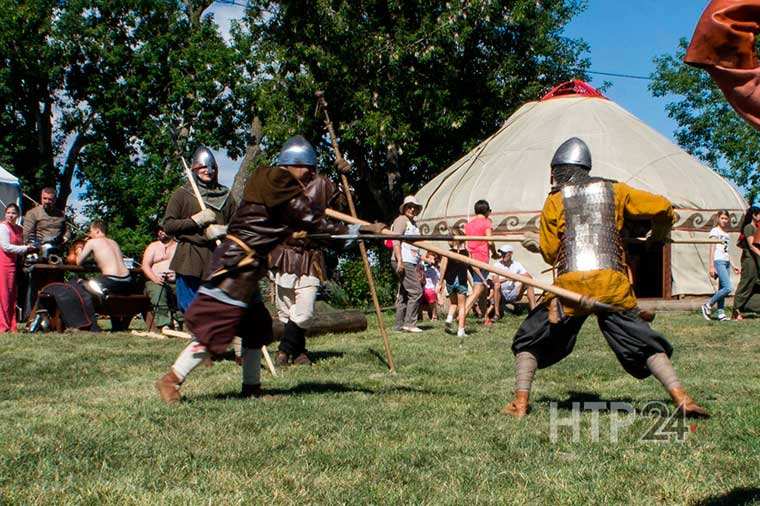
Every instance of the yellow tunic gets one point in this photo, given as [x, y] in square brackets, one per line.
[606, 285]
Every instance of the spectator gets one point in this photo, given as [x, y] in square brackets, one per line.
[720, 268]
[508, 291]
[406, 262]
[45, 223]
[750, 261]
[454, 275]
[159, 278]
[480, 225]
[429, 291]
[10, 247]
[115, 277]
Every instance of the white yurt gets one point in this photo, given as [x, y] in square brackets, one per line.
[511, 170]
[10, 189]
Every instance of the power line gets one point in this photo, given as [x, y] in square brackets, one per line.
[612, 74]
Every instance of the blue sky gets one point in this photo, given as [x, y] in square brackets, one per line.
[624, 37]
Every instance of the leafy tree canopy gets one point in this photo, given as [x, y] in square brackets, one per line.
[411, 84]
[708, 127]
[112, 93]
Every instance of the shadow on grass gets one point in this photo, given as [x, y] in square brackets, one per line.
[736, 496]
[310, 388]
[318, 356]
[582, 397]
[379, 357]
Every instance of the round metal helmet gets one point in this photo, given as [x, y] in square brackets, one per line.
[572, 152]
[203, 157]
[297, 151]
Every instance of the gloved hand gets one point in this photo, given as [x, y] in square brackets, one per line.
[373, 228]
[530, 242]
[343, 166]
[215, 232]
[204, 217]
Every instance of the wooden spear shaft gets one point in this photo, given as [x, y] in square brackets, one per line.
[362, 247]
[582, 300]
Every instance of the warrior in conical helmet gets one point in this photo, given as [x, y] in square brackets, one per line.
[279, 203]
[580, 235]
[197, 230]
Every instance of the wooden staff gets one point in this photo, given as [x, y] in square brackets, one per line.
[489, 238]
[343, 168]
[581, 300]
[193, 184]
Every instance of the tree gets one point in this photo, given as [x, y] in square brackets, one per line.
[112, 93]
[708, 128]
[411, 84]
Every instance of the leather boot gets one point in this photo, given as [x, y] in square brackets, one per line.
[302, 359]
[686, 405]
[248, 391]
[647, 316]
[519, 406]
[168, 387]
[255, 391]
[281, 359]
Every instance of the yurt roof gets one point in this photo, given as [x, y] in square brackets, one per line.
[510, 169]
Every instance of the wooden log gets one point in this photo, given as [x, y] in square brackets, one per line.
[329, 322]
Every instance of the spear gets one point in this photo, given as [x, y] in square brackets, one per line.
[343, 168]
[582, 300]
[493, 238]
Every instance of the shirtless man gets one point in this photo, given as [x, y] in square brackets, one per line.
[115, 277]
[160, 279]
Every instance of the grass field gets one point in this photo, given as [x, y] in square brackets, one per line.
[80, 422]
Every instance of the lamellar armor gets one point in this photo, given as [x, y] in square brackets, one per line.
[591, 240]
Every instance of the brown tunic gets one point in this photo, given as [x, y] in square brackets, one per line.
[724, 45]
[41, 226]
[275, 205]
[194, 251]
[304, 257]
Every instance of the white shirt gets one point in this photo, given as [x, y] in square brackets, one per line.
[721, 250]
[410, 254]
[507, 285]
[5, 241]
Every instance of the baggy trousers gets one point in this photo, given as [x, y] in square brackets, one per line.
[630, 338]
[408, 296]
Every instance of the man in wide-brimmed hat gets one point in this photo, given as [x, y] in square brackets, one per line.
[406, 262]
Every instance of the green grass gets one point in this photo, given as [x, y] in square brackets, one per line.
[80, 422]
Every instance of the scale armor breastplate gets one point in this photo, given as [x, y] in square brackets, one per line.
[591, 241]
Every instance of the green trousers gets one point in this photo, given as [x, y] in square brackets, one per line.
[744, 301]
[159, 298]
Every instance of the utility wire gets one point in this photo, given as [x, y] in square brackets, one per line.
[612, 74]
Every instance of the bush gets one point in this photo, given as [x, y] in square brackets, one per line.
[351, 288]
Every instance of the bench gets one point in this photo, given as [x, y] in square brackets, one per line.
[120, 308]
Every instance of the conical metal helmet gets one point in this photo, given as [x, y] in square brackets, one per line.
[572, 152]
[203, 157]
[297, 151]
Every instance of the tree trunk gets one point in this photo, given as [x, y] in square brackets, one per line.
[64, 180]
[252, 151]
